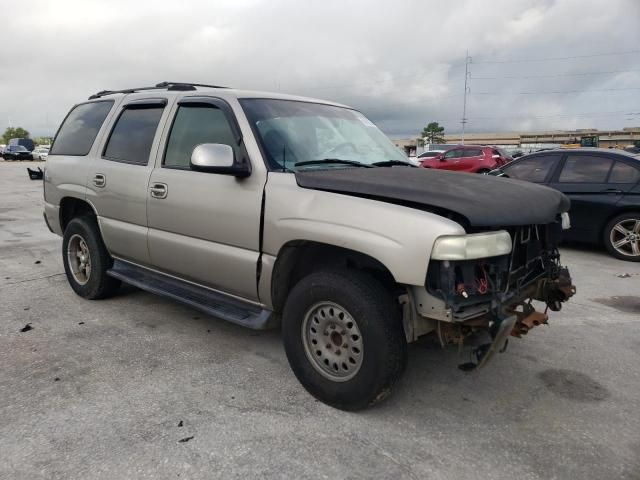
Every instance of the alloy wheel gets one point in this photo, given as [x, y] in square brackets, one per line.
[625, 237]
[79, 259]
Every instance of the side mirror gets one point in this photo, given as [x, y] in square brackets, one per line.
[217, 158]
[440, 157]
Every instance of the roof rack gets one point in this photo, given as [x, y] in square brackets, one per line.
[174, 86]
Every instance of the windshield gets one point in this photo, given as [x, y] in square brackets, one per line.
[298, 132]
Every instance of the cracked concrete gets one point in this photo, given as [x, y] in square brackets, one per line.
[105, 399]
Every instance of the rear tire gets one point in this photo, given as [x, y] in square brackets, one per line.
[622, 236]
[483, 171]
[358, 350]
[86, 260]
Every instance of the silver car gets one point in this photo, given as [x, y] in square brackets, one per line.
[272, 210]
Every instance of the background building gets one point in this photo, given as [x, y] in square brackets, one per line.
[532, 140]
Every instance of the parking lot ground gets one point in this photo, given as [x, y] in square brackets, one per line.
[138, 386]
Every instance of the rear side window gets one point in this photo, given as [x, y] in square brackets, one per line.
[131, 138]
[194, 125]
[472, 152]
[585, 169]
[80, 128]
[534, 169]
[624, 173]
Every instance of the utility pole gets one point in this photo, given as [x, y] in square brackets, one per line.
[467, 74]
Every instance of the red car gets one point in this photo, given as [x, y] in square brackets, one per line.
[468, 158]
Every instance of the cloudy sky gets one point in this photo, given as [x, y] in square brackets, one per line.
[536, 64]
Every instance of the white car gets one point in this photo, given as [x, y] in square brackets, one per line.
[40, 153]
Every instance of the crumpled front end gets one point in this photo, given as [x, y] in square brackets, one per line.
[481, 291]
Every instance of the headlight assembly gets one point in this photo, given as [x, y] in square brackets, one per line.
[475, 245]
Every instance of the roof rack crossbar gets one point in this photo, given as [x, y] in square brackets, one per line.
[179, 86]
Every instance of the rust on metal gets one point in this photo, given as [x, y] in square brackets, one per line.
[527, 320]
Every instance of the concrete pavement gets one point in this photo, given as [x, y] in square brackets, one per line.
[138, 386]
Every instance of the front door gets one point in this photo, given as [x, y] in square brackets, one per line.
[205, 227]
[451, 159]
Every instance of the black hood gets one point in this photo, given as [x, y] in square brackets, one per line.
[482, 200]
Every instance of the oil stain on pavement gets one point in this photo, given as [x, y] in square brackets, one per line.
[627, 304]
[573, 385]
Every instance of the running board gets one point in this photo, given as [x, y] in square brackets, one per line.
[211, 302]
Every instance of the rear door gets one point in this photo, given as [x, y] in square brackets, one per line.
[583, 177]
[471, 159]
[119, 177]
[205, 227]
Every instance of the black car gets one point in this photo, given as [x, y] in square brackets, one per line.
[16, 152]
[604, 188]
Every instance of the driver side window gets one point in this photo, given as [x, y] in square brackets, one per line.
[192, 126]
[452, 154]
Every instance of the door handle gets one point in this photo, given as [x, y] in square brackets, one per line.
[611, 190]
[99, 180]
[159, 190]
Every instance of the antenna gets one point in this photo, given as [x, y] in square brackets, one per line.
[467, 89]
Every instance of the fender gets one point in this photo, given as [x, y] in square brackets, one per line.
[401, 238]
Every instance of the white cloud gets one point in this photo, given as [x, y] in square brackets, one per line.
[399, 62]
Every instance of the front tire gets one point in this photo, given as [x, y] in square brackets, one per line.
[86, 260]
[622, 236]
[343, 338]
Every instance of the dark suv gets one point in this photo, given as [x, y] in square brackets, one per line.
[16, 152]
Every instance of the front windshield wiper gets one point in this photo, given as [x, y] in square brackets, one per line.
[331, 160]
[391, 163]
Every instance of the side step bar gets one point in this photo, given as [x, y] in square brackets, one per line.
[208, 301]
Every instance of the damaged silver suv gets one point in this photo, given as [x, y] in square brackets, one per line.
[268, 209]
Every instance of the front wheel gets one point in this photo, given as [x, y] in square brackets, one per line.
[344, 339]
[622, 236]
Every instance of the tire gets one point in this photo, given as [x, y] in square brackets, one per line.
[82, 240]
[372, 341]
[623, 228]
[483, 171]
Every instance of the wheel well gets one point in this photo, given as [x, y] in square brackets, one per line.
[71, 208]
[629, 209]
[299, 258]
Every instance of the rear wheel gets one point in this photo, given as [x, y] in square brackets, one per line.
[86, 260]
[344, 339]
[483, 171]
[622, 236]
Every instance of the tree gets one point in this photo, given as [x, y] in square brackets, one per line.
[432, 133]
[43, 140]
[11, 132]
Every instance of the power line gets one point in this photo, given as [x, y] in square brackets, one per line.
[550, 59]
[467, 74]
[558, 92]
[627, 112]
[562, 115]
[555, 75]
